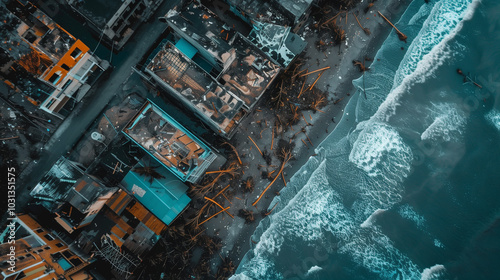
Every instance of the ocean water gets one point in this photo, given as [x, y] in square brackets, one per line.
[408, 184]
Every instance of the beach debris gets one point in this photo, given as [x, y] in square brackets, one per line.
[337, 101]
[235, 151]
[286, 157]
[368, 7]
[226, 269]
[267, 213]
[361, 66]
[366, 30]
[255, 145]
[208, 184]
[305, 144]
[195, 221]
[272, 139]
[315, 71]
[247, 215]
[401, 36]
[468, 79]
[315, 81]
[215, 202]
[8, 138]
[209, 218]
[248, 185]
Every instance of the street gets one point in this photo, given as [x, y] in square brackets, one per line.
[92, 105]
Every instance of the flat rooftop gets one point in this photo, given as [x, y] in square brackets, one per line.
[165, 197]
[247, 70]
[169, 143]
[296, 7]
[192, 83]
[260, 10]
[98, 11]
[57, 42]
[251, 73]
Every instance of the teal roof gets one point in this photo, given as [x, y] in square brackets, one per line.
[165, 197]
[186, 48]
[142, 121]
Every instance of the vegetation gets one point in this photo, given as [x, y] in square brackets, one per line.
[149, 172]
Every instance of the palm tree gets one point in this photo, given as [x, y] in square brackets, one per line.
[149, 172]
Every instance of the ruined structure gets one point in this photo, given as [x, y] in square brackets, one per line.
[40, 254]
[213, 70]
[44, 62]
[114, 21]
[168, 142]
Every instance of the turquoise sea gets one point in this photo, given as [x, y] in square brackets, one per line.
[408, 184]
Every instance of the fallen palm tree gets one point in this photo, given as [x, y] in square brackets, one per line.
[255, 145]
[247, 215]
[401, 36]
[286, 157]
[366, 30]
[235, 151]
[220, 206]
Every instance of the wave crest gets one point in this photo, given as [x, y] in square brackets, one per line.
[379, 150]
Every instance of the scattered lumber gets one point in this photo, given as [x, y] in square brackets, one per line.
[315, 71]
[366, 30]
[255, 145]
[401, 36]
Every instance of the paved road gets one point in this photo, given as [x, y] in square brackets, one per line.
[88, 110]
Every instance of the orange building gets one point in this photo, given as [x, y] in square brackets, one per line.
[39, 254]
[55, 57]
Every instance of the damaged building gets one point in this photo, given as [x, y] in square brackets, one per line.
[288, 13]
[114, 21]
[213, 70]
[120, 224]
[48, 65]
[41, 254]
[170, 144]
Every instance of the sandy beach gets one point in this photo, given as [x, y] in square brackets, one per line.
[337, 82]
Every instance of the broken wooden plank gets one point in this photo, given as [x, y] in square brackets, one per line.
[225, 209]
[401, 36]
[272, 140]
[8, 138]
[255, 145]
[215, 202]
[315, 81]
[315, 71]
[366, 30]
[285, 160]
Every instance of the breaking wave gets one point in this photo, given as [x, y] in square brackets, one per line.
[448, 122]
[494, 118]
[332, 202]
[379, 150]
[407, 212]
[428, 51]
[434, 272]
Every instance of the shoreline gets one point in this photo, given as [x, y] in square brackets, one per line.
[344, 90]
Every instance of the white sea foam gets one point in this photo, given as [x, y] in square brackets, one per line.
[313, 269]
[438, 243]
[373, 218]
[433, 272]
[428, 51]
[448, 122]
[494, 118]
[377, 254]
[407, 212]
[380, 151]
